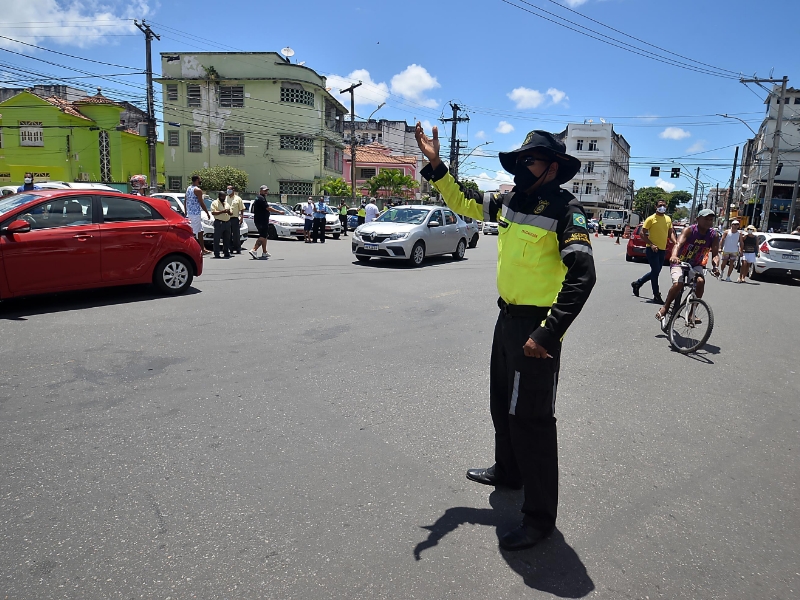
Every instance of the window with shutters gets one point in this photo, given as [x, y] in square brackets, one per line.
[590, 166]
[294, 93]
[175, 184]
[195, 142]
[231, 143]
[31, 133]
[367, 173]
[296, 142]
[231, 96]
[173, 137]
[588, 189]
[295, 187]
[172, 92]
[592, 145]
[193, 97]
[576, 187]
[579, 145]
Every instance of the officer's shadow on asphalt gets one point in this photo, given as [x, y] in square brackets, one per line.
[552, 566]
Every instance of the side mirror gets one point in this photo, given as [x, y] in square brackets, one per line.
[18, 226]
[434, 224]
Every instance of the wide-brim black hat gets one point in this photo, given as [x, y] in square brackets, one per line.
[544, 141]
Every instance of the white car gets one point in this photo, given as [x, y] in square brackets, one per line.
[284, 222]
[473, 232]
[176, 199]
[74, 185]
[8, 190]
[778, 255]
[490, 228]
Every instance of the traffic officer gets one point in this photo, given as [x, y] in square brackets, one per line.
[545, 273]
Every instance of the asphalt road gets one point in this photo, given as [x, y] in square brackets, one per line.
[300, 427]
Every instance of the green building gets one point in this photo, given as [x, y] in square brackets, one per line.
[255, 111]
[59, 140]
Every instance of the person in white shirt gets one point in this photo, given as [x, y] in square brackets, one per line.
[371, 210]
[308, 213]
[730, 248]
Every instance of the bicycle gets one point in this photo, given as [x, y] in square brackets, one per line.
[689, 327]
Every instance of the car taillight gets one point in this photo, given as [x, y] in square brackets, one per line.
[185, 225]
[764, 248]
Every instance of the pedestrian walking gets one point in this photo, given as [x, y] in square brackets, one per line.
[28, 184]
[308, 215]
[731, 248]
[545, 273]
[319, 221]
[343, 217]
[260, 210]
[371, 211]
[194, 204]
[693, 247]
[749, 243]
[656, 231]
[362, 213]
[221, 211]
[237, 218]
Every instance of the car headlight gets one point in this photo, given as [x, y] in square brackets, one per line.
[398, 236]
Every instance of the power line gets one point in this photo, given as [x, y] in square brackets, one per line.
[99, 62]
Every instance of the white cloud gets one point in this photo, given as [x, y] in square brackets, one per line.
[665, 185]
[82, 23]
[575, 3]
[504, 127]
[698, 146]
[369, 93]
[412, 84]
[674, 133]
[556, 95]
[481, 135]
[648, 118]
[488, 183]
[526, 98]
[427, 127]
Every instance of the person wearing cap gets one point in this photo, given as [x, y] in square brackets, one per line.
[731, 248]
[656, 232]
[749, 248]
[545, 273]
[693, 246]
[260, 210]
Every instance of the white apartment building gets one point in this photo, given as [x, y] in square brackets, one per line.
[605, 162]
[752, 184]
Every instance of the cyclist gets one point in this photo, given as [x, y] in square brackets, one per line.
[693, 247]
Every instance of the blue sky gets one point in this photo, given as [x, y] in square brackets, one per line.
[512, 70]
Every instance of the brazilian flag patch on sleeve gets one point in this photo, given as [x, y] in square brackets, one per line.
[578, 220]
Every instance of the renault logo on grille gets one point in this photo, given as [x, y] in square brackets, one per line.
[372, 236]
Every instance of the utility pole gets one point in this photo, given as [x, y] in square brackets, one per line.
[454, 143]
[694, 197]
[152, 137]
[730, 194]
[776, 140]
[353, 141]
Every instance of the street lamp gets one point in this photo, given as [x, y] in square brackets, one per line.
[380, 106]
[738, 119]
[473, 150]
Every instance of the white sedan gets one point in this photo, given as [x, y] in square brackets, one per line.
[176, 203]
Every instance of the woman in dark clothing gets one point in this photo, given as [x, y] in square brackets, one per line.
[260, 210]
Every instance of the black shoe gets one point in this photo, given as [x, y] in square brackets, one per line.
[523, 537]
[635, 287]
[488, 477]
[658, 299]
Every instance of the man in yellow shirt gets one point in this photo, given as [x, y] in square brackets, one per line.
[656, 231]
[237, 218]
[221, 211]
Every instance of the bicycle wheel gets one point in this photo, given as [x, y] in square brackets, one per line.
[691, 326]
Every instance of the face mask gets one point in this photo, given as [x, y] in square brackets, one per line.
[28, 180]
[661, 210]
[230, 192]
[524, 179]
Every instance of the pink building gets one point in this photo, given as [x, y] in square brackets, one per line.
[374, 158]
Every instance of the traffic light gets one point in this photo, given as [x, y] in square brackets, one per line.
[654, 171]
[778, 169]
[676, 172]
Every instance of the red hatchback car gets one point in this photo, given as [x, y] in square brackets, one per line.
[636, 246]
[59, 240]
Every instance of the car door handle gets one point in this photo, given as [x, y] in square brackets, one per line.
[82, 236]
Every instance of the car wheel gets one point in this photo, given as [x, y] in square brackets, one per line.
[417, 254]
[336, 236]
[461, 249]
[173, 275]
[474, 241]
[628, 258]
[362, 258]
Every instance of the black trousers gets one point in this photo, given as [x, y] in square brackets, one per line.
[522, 392]
[318, 230]
[222, 230]
[236, 238]
[343, 221]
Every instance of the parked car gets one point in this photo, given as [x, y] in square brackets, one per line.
[490, 228]
[284, 222]
[8, 190]
[636, 249]
[473, 232]
[74, 185]
[60, 240]
[175, 201]
[778, 255]
[592, 225]
[411, 233]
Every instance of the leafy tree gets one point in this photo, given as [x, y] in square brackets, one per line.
[216, 179]
[469, 184]
[391, 182]
[646, 199]
[676, 198]
[336, 186]
[680, 213]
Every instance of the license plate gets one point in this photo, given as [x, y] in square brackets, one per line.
[790, 257]
[370, 246]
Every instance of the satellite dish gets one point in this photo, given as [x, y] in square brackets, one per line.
[301, 63]
[602, 120]
[287, 52]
